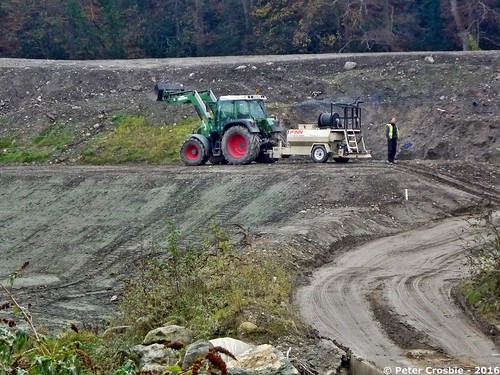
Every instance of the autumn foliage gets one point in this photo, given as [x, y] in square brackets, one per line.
[123, 29]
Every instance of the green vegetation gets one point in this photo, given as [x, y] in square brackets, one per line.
[135, 140]
[483, 289]
[51, 141]
[210, 286]
[6, 142]
[207, 287]
[132, 140]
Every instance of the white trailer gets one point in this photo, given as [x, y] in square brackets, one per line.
[338, 136]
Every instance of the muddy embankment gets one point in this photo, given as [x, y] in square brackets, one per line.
[82, 228]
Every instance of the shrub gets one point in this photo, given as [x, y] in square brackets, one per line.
[207, 286]
[483, 289]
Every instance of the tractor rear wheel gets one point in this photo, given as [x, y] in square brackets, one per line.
[193, 152]
[239, 146]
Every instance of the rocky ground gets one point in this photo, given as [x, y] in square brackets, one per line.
[81, 227]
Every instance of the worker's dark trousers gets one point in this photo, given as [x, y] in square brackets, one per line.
[392, 145]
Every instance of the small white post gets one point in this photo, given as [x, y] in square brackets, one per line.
[406, 194]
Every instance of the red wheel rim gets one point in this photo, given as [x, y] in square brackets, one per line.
[192, 152]
[237, 146]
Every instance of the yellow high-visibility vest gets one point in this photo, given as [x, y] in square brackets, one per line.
[390, 130]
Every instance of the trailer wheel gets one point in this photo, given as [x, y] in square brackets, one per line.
[341, 160]
[193, 152]
[319, 154]
[239, 146]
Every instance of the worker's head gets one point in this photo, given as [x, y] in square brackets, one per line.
[393, 120]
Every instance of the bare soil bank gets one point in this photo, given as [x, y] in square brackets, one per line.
[447, 103]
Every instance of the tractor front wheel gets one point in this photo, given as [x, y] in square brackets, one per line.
[193, 152]
[239, 146]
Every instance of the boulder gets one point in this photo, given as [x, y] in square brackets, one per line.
[154, 356]
[195, 350]
[234, 346]
[169, 335]
[261, 360]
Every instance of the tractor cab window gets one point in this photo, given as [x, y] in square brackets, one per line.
[250, 109]
[242, 109]
[225, 111]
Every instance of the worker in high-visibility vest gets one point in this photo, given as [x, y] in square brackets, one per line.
[392, 133]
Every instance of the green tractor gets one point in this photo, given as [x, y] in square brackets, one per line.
[234, 129]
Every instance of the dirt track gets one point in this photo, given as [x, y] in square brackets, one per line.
[412, 273]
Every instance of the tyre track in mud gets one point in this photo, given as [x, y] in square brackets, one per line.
[414, 272]
[488, 193]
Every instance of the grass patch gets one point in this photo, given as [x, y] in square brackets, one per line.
[24, 156]
[135, 140]
[53, 138]
[39, 150]
[209, 287]
[6, 142]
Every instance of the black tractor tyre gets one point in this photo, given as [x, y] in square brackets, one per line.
[193, 152]
[264, 158]
[277, 137]
[341, 160]
[216, 160]
[239, 146]
[319, 154]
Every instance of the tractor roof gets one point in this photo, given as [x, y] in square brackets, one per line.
[242, 97]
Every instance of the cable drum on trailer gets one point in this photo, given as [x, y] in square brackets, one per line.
[329, 120]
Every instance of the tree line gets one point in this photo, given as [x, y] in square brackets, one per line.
[123, 29]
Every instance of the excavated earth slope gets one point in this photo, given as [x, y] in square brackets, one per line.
[83, 228]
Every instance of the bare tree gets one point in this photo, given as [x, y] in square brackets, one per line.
[462, 32]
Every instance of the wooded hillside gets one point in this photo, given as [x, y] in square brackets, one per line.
[123, 29]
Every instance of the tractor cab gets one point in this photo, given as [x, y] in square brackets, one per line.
[241, 107]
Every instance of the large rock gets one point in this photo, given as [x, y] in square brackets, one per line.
[250, 359]
[195, 350]
[154, 356]
[169, 335]
[261, 360]
[325, 357]
[234, 346]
